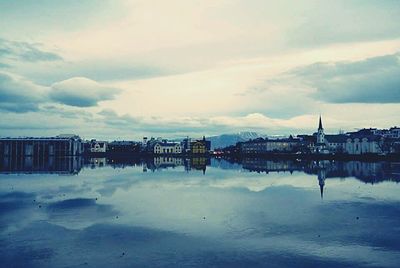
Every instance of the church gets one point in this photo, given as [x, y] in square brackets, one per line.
[351, 143]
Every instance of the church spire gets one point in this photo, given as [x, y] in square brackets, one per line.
[320, 123]
[321, 188]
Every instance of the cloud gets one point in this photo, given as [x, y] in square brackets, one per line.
[81, 92]
[373, 80]
[26, 52]
[19, 94]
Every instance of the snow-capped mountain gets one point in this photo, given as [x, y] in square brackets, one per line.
[225, 140]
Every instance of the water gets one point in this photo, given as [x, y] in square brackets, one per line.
[167, 212]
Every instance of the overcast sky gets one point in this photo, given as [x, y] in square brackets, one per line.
[124, 69]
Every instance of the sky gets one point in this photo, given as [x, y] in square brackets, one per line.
[125, 69]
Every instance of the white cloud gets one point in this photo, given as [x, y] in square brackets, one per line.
[209, 66]
[81, 92]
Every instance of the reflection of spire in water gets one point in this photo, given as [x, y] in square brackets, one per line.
[321, 187]
[321, 181]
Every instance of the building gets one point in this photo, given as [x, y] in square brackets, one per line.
[336, 143]
[123, 147]
[186, 145]
[261, 145]
[320, 144]
[59, 146]
[98, 146]
[361, 142]
[357, 144]
[165, 147]
[200, 146]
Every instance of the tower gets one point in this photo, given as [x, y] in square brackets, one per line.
[320, 133]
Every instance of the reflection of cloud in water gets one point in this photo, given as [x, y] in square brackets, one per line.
[227, 217]
[104, 245]
[78, 213]
[16, 210]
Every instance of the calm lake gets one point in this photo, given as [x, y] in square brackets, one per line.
[199, 212]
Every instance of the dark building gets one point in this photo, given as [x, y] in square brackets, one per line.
[123, 147]
[261, 145]
[59, 146]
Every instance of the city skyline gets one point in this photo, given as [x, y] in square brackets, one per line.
[128, 69]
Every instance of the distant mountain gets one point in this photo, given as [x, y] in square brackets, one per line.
[225, 140]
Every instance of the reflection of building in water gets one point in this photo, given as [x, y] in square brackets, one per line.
[68, 165]
[122, 162]
[263, 165]
[167, 162]
[322, 176]
[321, 181]
[197, 163]
[368, 172]
[161, 162]
[98, 162]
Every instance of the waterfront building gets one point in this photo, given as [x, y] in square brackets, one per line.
[59, 146]
[357, 144]
[393, 132]
[200, 146]
[361, 142]
[261, 145]
[186, 145]
[98, 146]
[123, 147]
[165, 147]
[336, 143]
[320, 145]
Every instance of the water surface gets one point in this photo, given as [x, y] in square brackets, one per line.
[173, 212]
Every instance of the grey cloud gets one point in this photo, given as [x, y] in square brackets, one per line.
[374, 80]
[26, 52]
[81, 92]
[18, 94]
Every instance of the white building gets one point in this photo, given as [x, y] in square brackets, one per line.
[98, 146]
[167, 148]
[363, 145]
[320, 145]
[351, 143]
